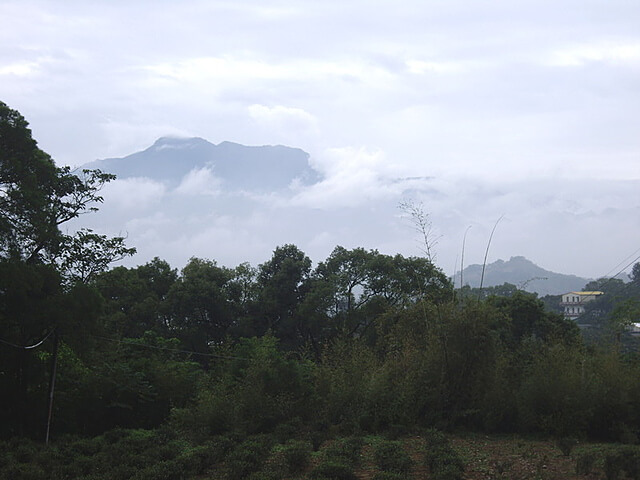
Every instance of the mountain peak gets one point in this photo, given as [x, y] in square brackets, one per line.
[522, 262]
[234, 166]
[171, 142]
[523, 273]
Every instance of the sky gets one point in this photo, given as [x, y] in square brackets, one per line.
[476, 110]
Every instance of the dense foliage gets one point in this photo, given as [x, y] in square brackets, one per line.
[212, 363]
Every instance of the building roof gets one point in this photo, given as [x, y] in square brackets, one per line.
[584, 293]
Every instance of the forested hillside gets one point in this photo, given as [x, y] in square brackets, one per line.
[218, 372]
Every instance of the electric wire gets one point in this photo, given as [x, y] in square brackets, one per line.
[626, 266]
[174, 350]
[621, 270]
[624, 260]
[28, 347]
[129, 343]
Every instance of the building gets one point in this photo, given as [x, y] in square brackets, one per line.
[634, 329]
[573, 303]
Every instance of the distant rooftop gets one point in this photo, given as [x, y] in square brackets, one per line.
[586, 293]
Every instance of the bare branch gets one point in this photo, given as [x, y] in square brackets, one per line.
[422, 224]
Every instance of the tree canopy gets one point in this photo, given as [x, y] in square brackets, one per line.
[36, 197]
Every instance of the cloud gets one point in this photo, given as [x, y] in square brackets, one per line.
[285, 125]
[133, 194]
[228, 69]
[199, 181]
[421, 67]
[21, 69]
[283, 117]
[352, 176]
[619, 53]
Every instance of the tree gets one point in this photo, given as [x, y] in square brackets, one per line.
[41, 266]
[283, 282]
[136, 297]
[365, 283]
[530, 319]
[347, 271]
[200, 306]
[36, 196]
[624, 314]
[635, 273]
[86, 254]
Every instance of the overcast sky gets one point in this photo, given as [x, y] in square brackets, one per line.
[527, 109]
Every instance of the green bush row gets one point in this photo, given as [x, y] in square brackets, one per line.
[443, 461]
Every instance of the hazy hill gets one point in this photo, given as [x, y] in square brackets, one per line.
[523, 273]
[238, 167]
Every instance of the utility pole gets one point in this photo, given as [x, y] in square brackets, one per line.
[52, 382]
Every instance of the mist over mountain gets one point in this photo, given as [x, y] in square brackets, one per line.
[524, 274]
[185, 197]
[234, 166]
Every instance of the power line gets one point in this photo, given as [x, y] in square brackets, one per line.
[627, 265]
[624, 260]
[130, 343]
[623, 268]
[174, 350]
[28, 347]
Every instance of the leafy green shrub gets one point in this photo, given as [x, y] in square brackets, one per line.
[211, 414]
[395, 432]
[436, 455]
[217, 448]
[122, 472]
[296, 454]
[332, 471]
[389, 476]
[288, 430]
[390, 456]
[115, 435]
[265, 475]
[434, 437]
[248, 457]
[344, 450]
[133, 448]
[167, 470]
[287, 460]
[450, 471]
[76, 467]
[442, 460]
[623, 460]
[317, 439]
[612, 467]
[88, 446]
[25, 452]
[166, 452]
[24, 471]
[585, 463]
[202, 457]
[193, 459]
[566, 444]
[550, 398]
[5, 458]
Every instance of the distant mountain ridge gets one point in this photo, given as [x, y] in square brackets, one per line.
[524, 274]
[239, 167]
